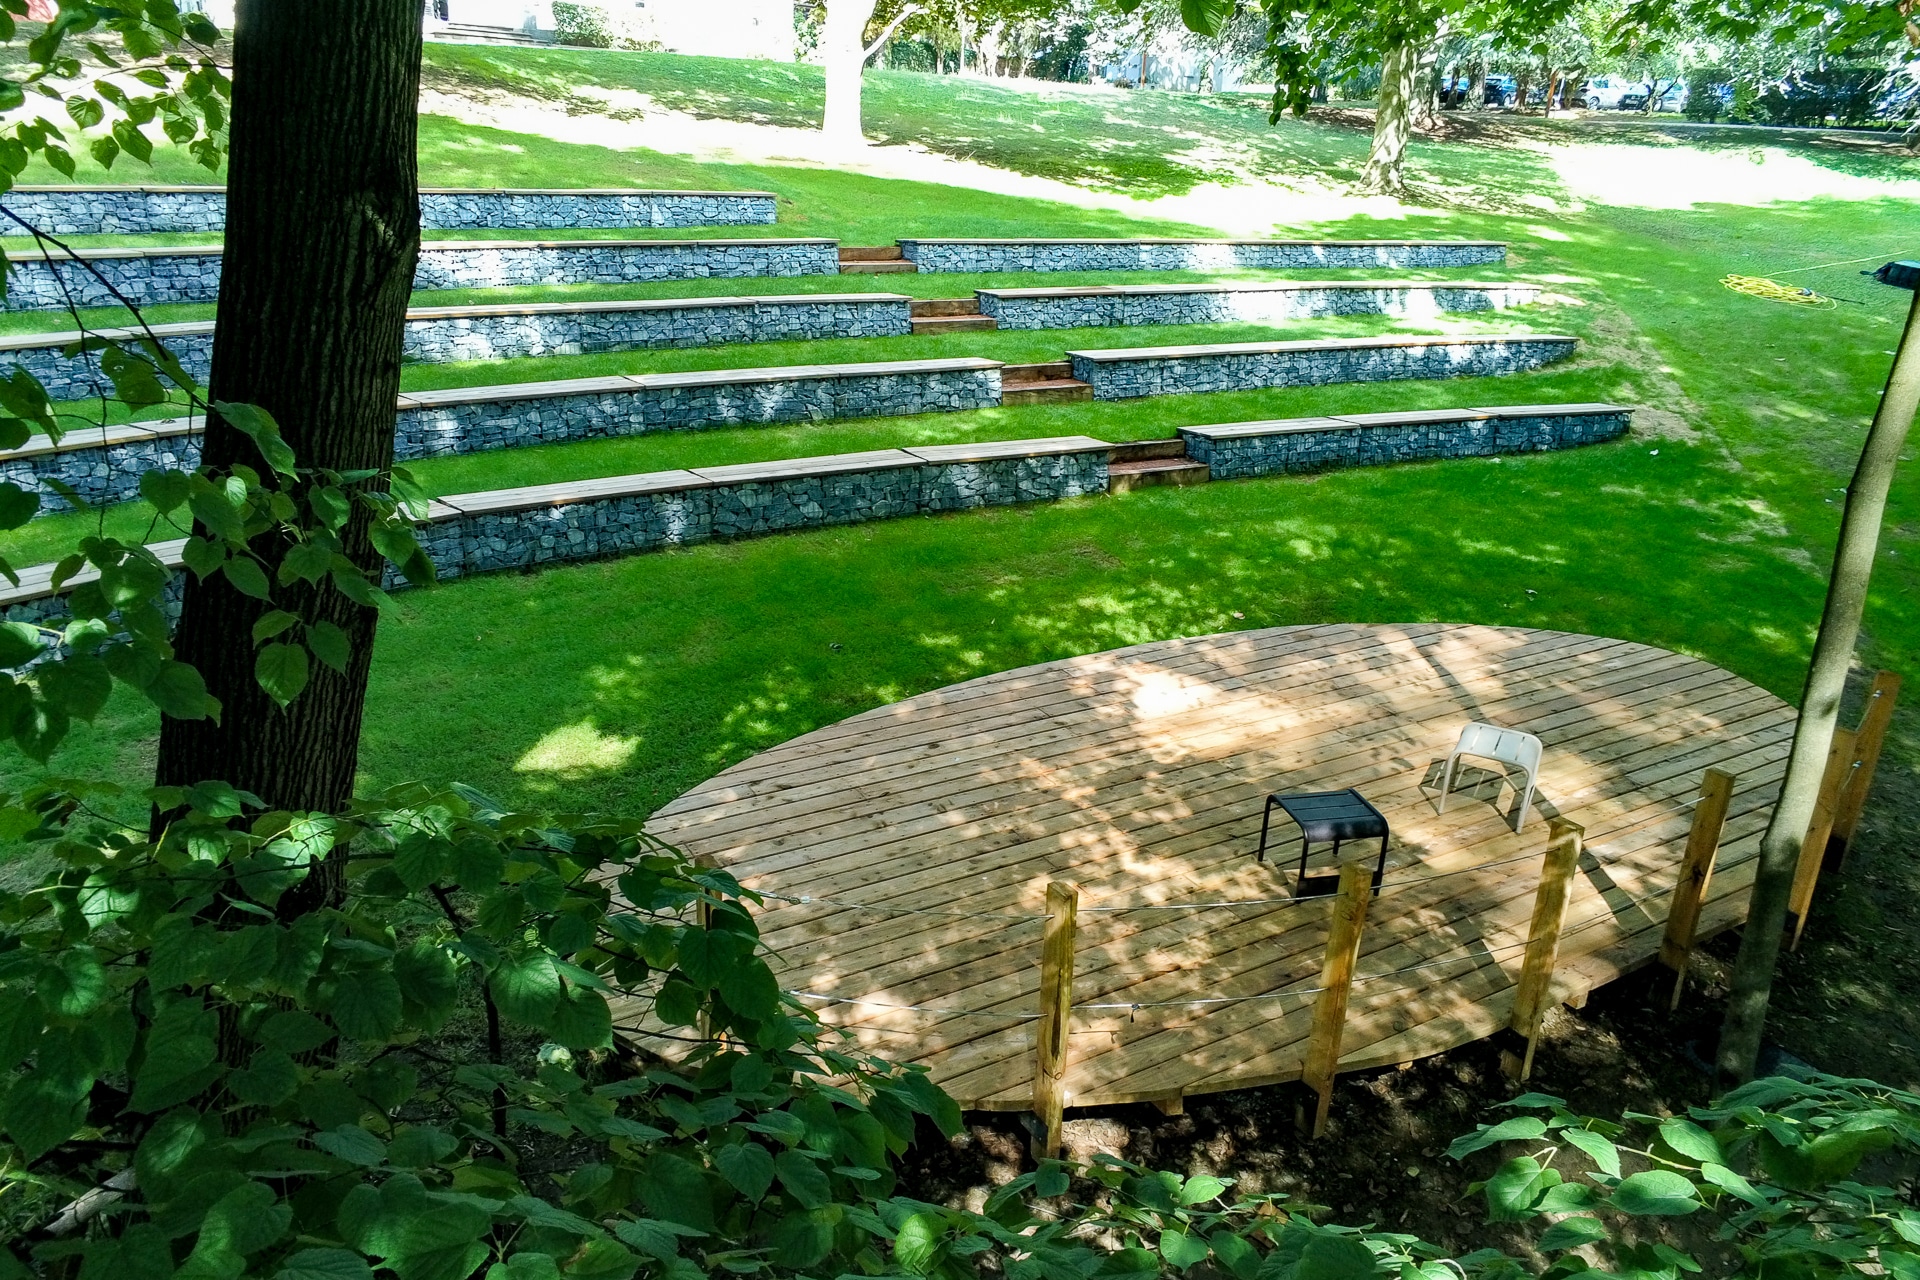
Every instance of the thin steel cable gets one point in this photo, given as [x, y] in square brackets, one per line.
[808, 900]
[1199, 906]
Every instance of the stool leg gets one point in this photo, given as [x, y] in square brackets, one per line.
[1446, 779]
[1526, 798]
[1266, 816]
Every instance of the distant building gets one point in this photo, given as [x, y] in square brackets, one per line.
[718, 28]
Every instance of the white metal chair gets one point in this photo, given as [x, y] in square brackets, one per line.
[1491, 742]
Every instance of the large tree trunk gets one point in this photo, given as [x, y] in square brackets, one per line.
[323, 225]
[1392, 122]
[1752, 983]
[1425, 98]
[845, 56]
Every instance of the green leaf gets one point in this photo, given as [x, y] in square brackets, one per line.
[676, 1192]
[19, 644]
[258, 425]
[78, 686]
[180, 1057]
[528, 989]
[803, 1179]
[1517, 1188]
[268, 1080]
[419, 1146]
[41, 1112]
[1182, 1250]
[280, 669]
[1519, 1128]
[353, 1144]
[330, 644]
[1605, 1156]
[601, 1259]
[166, 491]
[21, 1019]
[1201, 1188]
[247, 577]
[916, 1245]
[366, 1004]
[17, 505]
[748, 1166]
[75, 983]
[1690, 1141]
[429, 982]
[1655, 1193]
[1571, 1233]
[272, 623]
[179, 692]
[325, 1264]
[1733, 1184]
[1335, 1257]
[441, 1242]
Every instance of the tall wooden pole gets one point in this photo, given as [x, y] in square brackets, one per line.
[1531, 999]
[1056, 1015]
[1819, 707]
[1696, 876]
[1344, 927]
[1867, 743]
[1835, 783]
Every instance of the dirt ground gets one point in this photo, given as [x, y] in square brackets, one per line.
[1845, 1003]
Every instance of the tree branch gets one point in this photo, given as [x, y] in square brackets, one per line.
[888, 30]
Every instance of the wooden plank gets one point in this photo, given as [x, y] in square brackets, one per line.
[1530, 998]
[1696, 875]
[1344, 925]
[1868, 740]
[1056, 1015]
[1840, 770]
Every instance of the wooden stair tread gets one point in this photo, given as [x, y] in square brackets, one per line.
[953, 324]
[860, 268]
[1148, 465]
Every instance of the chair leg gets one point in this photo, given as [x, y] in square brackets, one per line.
[1526, 798]
[1446, 779]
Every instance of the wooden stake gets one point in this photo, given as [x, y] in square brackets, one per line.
[1868, 740]
[1543, 935]
[1056, 1012]
[1348, 918]
[1834, 783]
[1696, 874]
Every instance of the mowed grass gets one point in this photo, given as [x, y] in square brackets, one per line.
[614, 686]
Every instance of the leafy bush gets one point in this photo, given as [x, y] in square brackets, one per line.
[597, 27]
[1774, 1161]
[1704, 85]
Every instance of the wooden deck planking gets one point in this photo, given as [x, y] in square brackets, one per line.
[1139, 774]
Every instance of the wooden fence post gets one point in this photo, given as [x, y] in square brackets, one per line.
[1349, 917]
[1530, 1000]
[1696, 874]
[1056, 1013]
[1840, 772]
[1871, 736]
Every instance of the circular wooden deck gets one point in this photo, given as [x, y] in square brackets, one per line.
[923, 835]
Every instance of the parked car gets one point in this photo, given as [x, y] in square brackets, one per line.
[1671, 99]
[1499, 90]
[1603, 93]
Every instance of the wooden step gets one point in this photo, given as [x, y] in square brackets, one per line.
[877, 268]
[927, 308]
[1123, 477]
[1150, 450]
[871, 253]
[1052, 371]
[952, 324]
[1045, 391]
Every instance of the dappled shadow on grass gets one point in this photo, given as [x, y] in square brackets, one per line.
[664, 669]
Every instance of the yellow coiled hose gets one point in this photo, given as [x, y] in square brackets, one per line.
[1773, 291]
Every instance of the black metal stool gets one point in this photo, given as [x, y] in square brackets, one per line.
[1338, 816]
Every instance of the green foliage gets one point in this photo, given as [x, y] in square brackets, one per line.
[1773, 1162]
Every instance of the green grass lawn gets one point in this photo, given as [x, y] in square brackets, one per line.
[616, 685]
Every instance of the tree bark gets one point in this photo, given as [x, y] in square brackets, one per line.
[841, 44]
[1424, 100]
[1752, 984]
[1392, 122]
[323, 226]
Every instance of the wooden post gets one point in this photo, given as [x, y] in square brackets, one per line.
[1840, 772]
[1348, 918]
[1696, 874]
[1872, 735]
[1056, 1012]
[1530, 1000]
